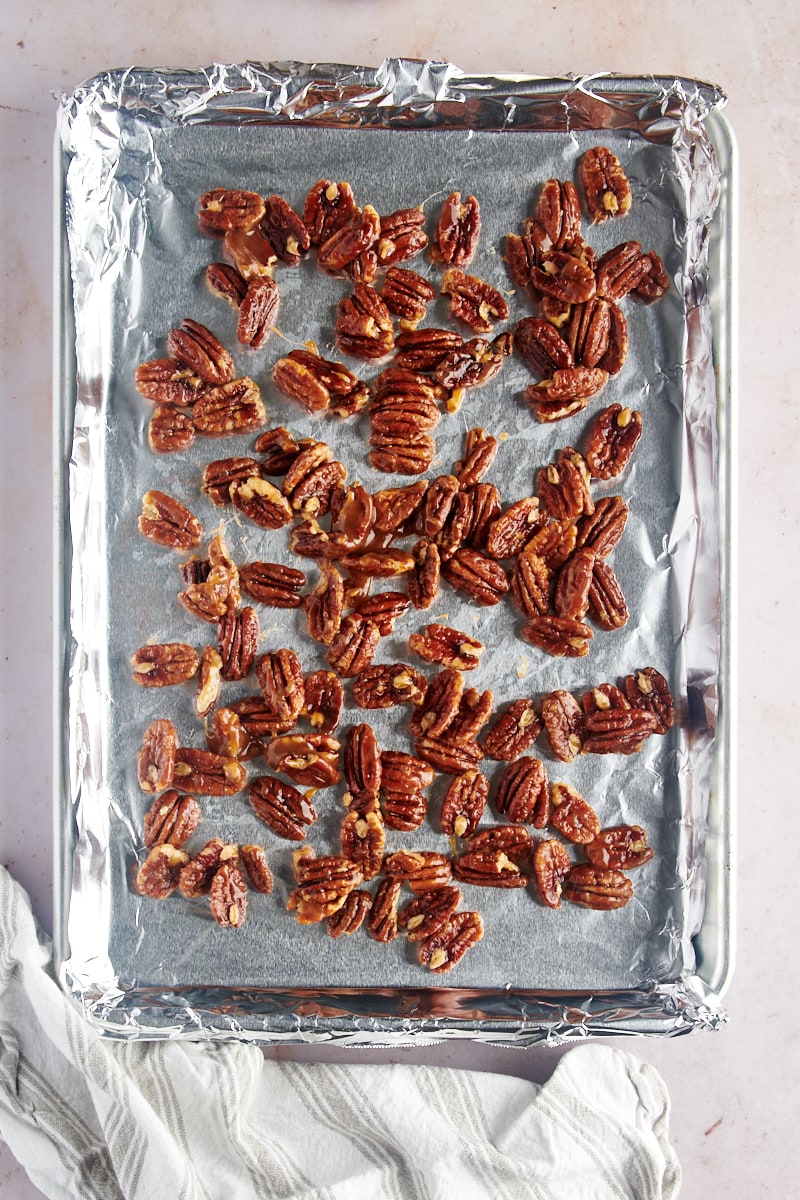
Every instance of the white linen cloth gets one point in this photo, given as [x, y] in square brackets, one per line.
[95, 1119]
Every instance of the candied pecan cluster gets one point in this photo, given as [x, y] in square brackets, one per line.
[546, 553]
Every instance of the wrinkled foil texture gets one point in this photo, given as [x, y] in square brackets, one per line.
[138, 148]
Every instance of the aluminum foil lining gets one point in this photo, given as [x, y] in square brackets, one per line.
[138, 148]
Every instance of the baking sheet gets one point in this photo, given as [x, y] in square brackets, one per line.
[138, 148]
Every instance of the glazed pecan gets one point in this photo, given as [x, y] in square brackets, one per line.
[485, 508]
[471, 365]
[168, 523]
[402, 236]
[230, 409]
[573, 586]
[618, 731]
[319, 384]
[325, 604]
[563, 719]
[196, 877]
[440, 704]
[602, 698]
[362, 766]
[410, 454]
[473, 300]
[237, 636]
[226, 283]
[226, 734]
[352, 517]
[351, 915]
[530, 584]
[422, 870]
[563, 637]
[601, 530]
[350, 241]
[404, 412]
[607, 607]
[250, 252]
[363, 839]
[488, 868]
[509, 533]
[258, 312]
[571, 814]
[564, 487]
[157, 877]
[401, 772]
[655, 283]
[210, 596]
[612, 440]
[606, 189]
[482, 578]
[328, 207]
[164, 665]
[280, 677]
[648, 690]
[384, 609]
[551, 864]
[561, 275]
[279, 449]
[156, 760]
[464, 804]
[597, 334]
[553, 542]
[622, 848]
[424, 349]
[444, 949]
[207, 773]
[387, 685]
[513, 732]
[354, 646]
[318, 900]
[451, 758]
[558, 210]
[313, 495]
[168, 382]
[285, 231]
[567, 391]
[222, 472]
[272, 583]
[407, 295]
[209, 681]
[286, 810]
[429, 912]
[541, 347]
[474, 710]
[394, 506]
[447, 646]
[382, 919]
[621, 270]
[196, 347]
[514, 840]
[378, 564]
[228, 895]
[172, 818]
[170, 430]
[254, 861]
[324, 700]
[594, 887]
[258, 721]
[312, 760]
[522, 794]
[457, 230]
[230, 208]
[404, 811]
[423, 581]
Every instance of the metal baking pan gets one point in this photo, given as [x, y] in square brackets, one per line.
[135, 149]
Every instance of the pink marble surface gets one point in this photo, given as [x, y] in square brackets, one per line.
[734, 1093]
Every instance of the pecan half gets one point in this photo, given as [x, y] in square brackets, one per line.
[312, 760]
[350, 917]
[285, 231]
[210, 596]
[258, 312]
[319, 384]
[168, 523]
[573, 586]
[488, 868]
[384, 609]
[424, 349]
[622, 848]
[474, 710]
[401, 454]
[429, 912]
[606, 189]
[168, 382]
[457, 230]
[324, 700]
[648, 690]
[471, 365]
[286, 810]
[354, 646]
[464, 804]
[558, 210]
[618, 731]
[382, 919]
[451, 758]
[256, 718]
[324, 605]
[157, 877]
[606, 602]
[207, 773]
[230, 208]
[209, 681]
[566, 392]
[362, 765]
[164, 665]
[363, 837]
[474, 301]
[593, 887]
[387, 685]
[509, 533]
[563, 486]
[621, 270]
[655, 283]
[422, 870]
[170, 430]
[350, 240]
[612, 440]
[172, 818]
[439, 500]
[328, 207]
[601, 530]
[228, 895]
[482, 578]
[156, 760]
[402, 236]
[272, 583]
[563, 637]
[440, 705]
[541, 347]
[513, 732]
[280, 677]
[551, 864]
[423, 581]
[196, 347]
[222, 472]
[563, 719]
[522, 795]
[404, 811]
[447, 646]
[279, 449]
[444, 949]
[394, 506]
[407, 295]
[230, 409]
[514, 840]
[226, 283]
[196, 877]
[250, 252]
[254, 861]
[572, 815]
[237, 636]
[378, 564]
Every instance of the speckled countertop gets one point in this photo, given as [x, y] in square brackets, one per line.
[735, 1092]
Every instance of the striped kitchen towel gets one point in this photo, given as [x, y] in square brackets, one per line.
[96, 1119]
